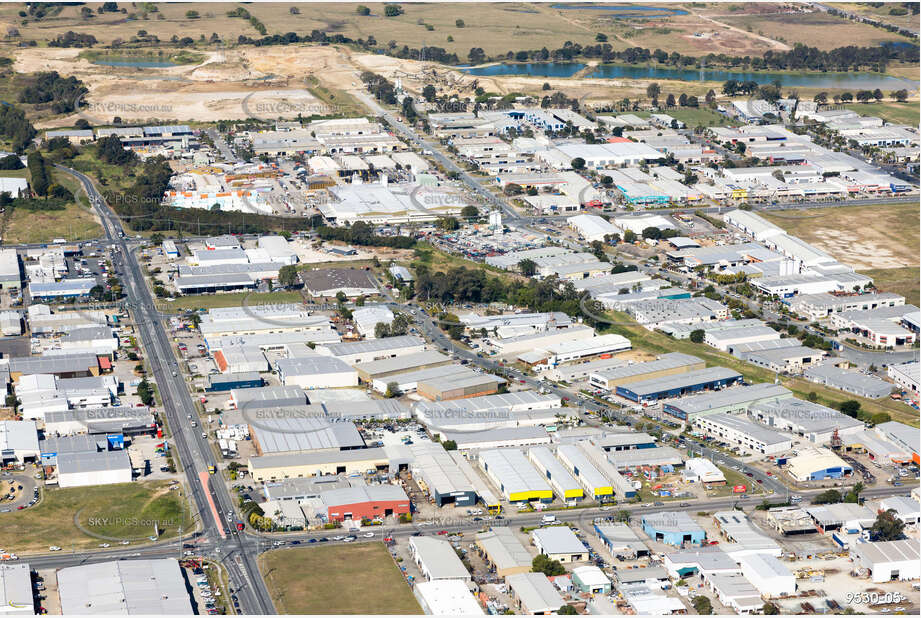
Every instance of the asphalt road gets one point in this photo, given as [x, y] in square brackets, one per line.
[194, 452]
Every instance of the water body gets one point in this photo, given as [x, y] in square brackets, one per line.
[115, 61]
[627, 11]
[854, 80]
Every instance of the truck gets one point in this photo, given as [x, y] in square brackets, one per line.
[547, 519]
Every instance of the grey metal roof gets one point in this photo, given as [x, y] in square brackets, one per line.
[803, 415]
[672, 521]
[295, 433]
[671, 360]
[551, 466]
[465, 439]
[405, 362]
[310, 365]
[558, 540]
[374, 345]
[278, 396]
[80, 443]
[317, 458]
[75, 463]
[438, 558]
[504, 549]
[438, 469]
[512, 470]
[747, 427]
[362, 493]
[64, 363]
[699, 404]
[124, 587]
[849, 381]
[535, 592]
[681, 380]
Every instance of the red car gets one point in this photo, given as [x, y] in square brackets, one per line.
[442, 532]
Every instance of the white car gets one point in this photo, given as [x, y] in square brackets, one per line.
[126, 542]
[368, 535]
[338, 538]
[54, 548]
[347, 539]
[103, 545]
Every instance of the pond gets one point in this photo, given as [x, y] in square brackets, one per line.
[854, 80]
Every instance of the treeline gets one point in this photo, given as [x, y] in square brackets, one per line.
[382, 89]
[363, 235]
[73, 39]
[465, 285]
[50, 87]
[15, 127]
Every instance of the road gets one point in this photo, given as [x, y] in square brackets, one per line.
[194, 452]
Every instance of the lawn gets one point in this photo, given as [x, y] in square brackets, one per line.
[902, 281]
[105, 513]
[890, 111]
[659, 343]
[866, 237]
[360, 578]
[734, 478]
[234, 299]
[701, 116]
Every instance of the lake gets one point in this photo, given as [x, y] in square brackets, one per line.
[854, 80]
[627, 10]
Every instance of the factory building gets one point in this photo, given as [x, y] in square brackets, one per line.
[16, 590]
[18, 441]
[743, 537]
[382, 369]
[155, 586]
[439, 474]
[310, 372]
[728, 401]
[700, 470]
[673, 528]
[816, 464]
[596, 485]
[437, 559]
[93, 468]
[741, 432]
[861, 384]
[374, 350]
[447, 597]
[318, 463]
[562, 482]
[514, 476]
[812, 421]
[534, 594]
[888, 560]
[666, 365]
[450, 388]
[502, 550]
[559, 543]
[364, 502]
[712, 378]
[620, 539]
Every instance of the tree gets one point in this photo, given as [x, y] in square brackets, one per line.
[287, 275]
[629, 236]
[697, 336]
[470, 212]
[702, 605]
[393, 390]
[362, 10]
[449, 224]
[900, 95]
[428, 93]
[887, 527]
[769, 609]
[683, 100]
[543, 564]
[578, 163]
[853, 496]
[670, 100]
[459, 23]
[831, 496]
[653, 90]
[145, 392]
[652, 232]
[527, 267]
[393, 10]
[878, 95]
[191, 14]
[812, 396]
[450, 445]
[850, 407]
[568, 610]
[822, 97]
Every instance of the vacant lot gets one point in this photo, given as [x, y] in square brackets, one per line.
[815, 29]
[235, 299]
[77, 221]
[890, 111]
[902, 281]
[84, 517]
[339, 579]
[866, 237]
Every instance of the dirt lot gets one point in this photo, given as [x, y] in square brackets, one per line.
[863, 236]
